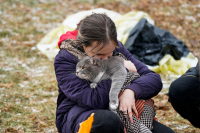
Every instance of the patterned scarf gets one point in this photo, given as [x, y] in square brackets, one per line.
[145, 108]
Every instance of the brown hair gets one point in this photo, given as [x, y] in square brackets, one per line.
[96, 27]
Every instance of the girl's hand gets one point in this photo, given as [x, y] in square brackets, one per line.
[127, 103]
[130, 66]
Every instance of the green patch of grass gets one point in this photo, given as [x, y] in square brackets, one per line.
[26, 31]
[16, 122]
[14, 77]
[4, 34]
[5, 115]
[2, 71]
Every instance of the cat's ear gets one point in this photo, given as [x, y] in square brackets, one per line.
[96, 62]
[91, 60]
[79, 57]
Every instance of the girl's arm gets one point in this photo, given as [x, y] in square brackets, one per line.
[76, 89]
[149, 84]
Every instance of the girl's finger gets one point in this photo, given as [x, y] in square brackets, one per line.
[135, 110]
[124, 110]
[120, 107]
[130, 114]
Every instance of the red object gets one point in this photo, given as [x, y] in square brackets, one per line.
[156, 119]
[68, 35]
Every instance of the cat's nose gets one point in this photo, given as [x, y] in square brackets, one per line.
[76, 73]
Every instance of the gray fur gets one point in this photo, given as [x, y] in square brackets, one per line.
[90, 68]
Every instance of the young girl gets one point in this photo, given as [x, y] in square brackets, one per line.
[96, 36]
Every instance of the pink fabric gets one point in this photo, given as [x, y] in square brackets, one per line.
[68, 35]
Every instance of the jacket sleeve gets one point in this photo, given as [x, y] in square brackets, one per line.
[76, 89]
[192, 71]
[149, 84]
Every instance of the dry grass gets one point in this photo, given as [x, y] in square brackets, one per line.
[28, 87]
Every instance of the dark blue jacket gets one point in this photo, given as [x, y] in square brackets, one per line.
[76, 100]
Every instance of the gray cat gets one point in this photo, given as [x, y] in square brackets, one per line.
[95, 70]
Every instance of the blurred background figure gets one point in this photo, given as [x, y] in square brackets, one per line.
[184, 95]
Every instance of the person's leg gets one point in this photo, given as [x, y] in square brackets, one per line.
[160, 128]
[106, 122]
[184, 96]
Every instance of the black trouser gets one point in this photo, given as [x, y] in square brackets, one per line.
[184, 95]
[108, 122]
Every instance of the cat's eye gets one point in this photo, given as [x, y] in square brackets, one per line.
[83, 67]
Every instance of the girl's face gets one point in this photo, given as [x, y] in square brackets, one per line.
[105, 53]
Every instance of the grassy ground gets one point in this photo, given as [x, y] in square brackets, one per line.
[28, 87]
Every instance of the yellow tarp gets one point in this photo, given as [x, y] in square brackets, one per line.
[124, 24]
[168, 65]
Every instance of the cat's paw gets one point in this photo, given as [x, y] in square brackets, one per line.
[113, 106]
[93, 85]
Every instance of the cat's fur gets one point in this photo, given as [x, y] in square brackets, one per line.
[95, 70]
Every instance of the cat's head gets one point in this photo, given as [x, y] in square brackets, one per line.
[88, 67]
